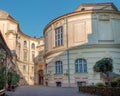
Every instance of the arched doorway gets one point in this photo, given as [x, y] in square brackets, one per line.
[40, 77]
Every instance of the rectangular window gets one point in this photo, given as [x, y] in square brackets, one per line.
[24, 67]
[32, 68]
[59, 36]
[33, 56]
[58, 67]
[25, 56]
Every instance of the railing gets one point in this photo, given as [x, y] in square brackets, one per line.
[2, 92]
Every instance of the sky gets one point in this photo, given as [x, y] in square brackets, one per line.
[34, 15]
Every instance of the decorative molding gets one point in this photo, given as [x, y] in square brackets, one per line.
[11, 32]
[103, 17]
[58, 23]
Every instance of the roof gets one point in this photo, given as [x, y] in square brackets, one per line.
[97, 6]
[5, 15]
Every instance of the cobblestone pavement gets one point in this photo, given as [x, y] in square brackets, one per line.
[45, 91]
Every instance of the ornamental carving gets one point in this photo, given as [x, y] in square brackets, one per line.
[58, 24]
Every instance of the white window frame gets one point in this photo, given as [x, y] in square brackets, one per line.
[58, 67]
[59, 36]
[80, 66]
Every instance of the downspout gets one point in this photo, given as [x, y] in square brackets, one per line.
[29, 62]
[67, 52]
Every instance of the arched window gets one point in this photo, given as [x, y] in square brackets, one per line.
[58, 67]
[25, 43]
[80, 65]
[33, 46]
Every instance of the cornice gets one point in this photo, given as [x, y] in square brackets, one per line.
[11, 32]
[84, 47]
[39, 46]
[54, 51]
[96, 46]
[23, 62]
[28, 37]
[12, 19]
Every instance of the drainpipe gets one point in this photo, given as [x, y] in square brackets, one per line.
[67, 52]
[29, 62]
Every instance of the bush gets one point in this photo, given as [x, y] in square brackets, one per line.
[100, 84]
[101, 91]
[113, 83]
[13, 78]
[118, 81]
[2, 77]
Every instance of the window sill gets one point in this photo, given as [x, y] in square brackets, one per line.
[81, 73]
[58, 46]
[58, 74]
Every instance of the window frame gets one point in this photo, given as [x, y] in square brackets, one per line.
[25, 43]
[58, 67]
[24, 67]
[80, 66]
[59, 36]
[33, 46]
[25, 55]
[33, 56]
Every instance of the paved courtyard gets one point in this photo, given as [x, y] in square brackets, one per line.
[45, 91]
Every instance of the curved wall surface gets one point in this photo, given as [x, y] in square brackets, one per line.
[84, 36]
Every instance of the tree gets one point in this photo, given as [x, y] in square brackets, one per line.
[2, 54]
[105, 66]
[2, 69]
[2, 77]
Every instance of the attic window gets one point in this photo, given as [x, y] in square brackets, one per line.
[82, 9]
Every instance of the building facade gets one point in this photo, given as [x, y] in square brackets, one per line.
[71, 46]
[39, 64]
[25, 48]
[74, 42]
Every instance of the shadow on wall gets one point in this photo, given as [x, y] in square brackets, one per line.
[63, 66]
[39, 69]
[60, 70]
[22, 80]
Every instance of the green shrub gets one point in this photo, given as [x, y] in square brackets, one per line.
[100, 84]
[13, 78]
[2, 77]
[118, 81]
[113, 83]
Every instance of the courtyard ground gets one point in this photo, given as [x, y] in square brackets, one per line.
[45, 91]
